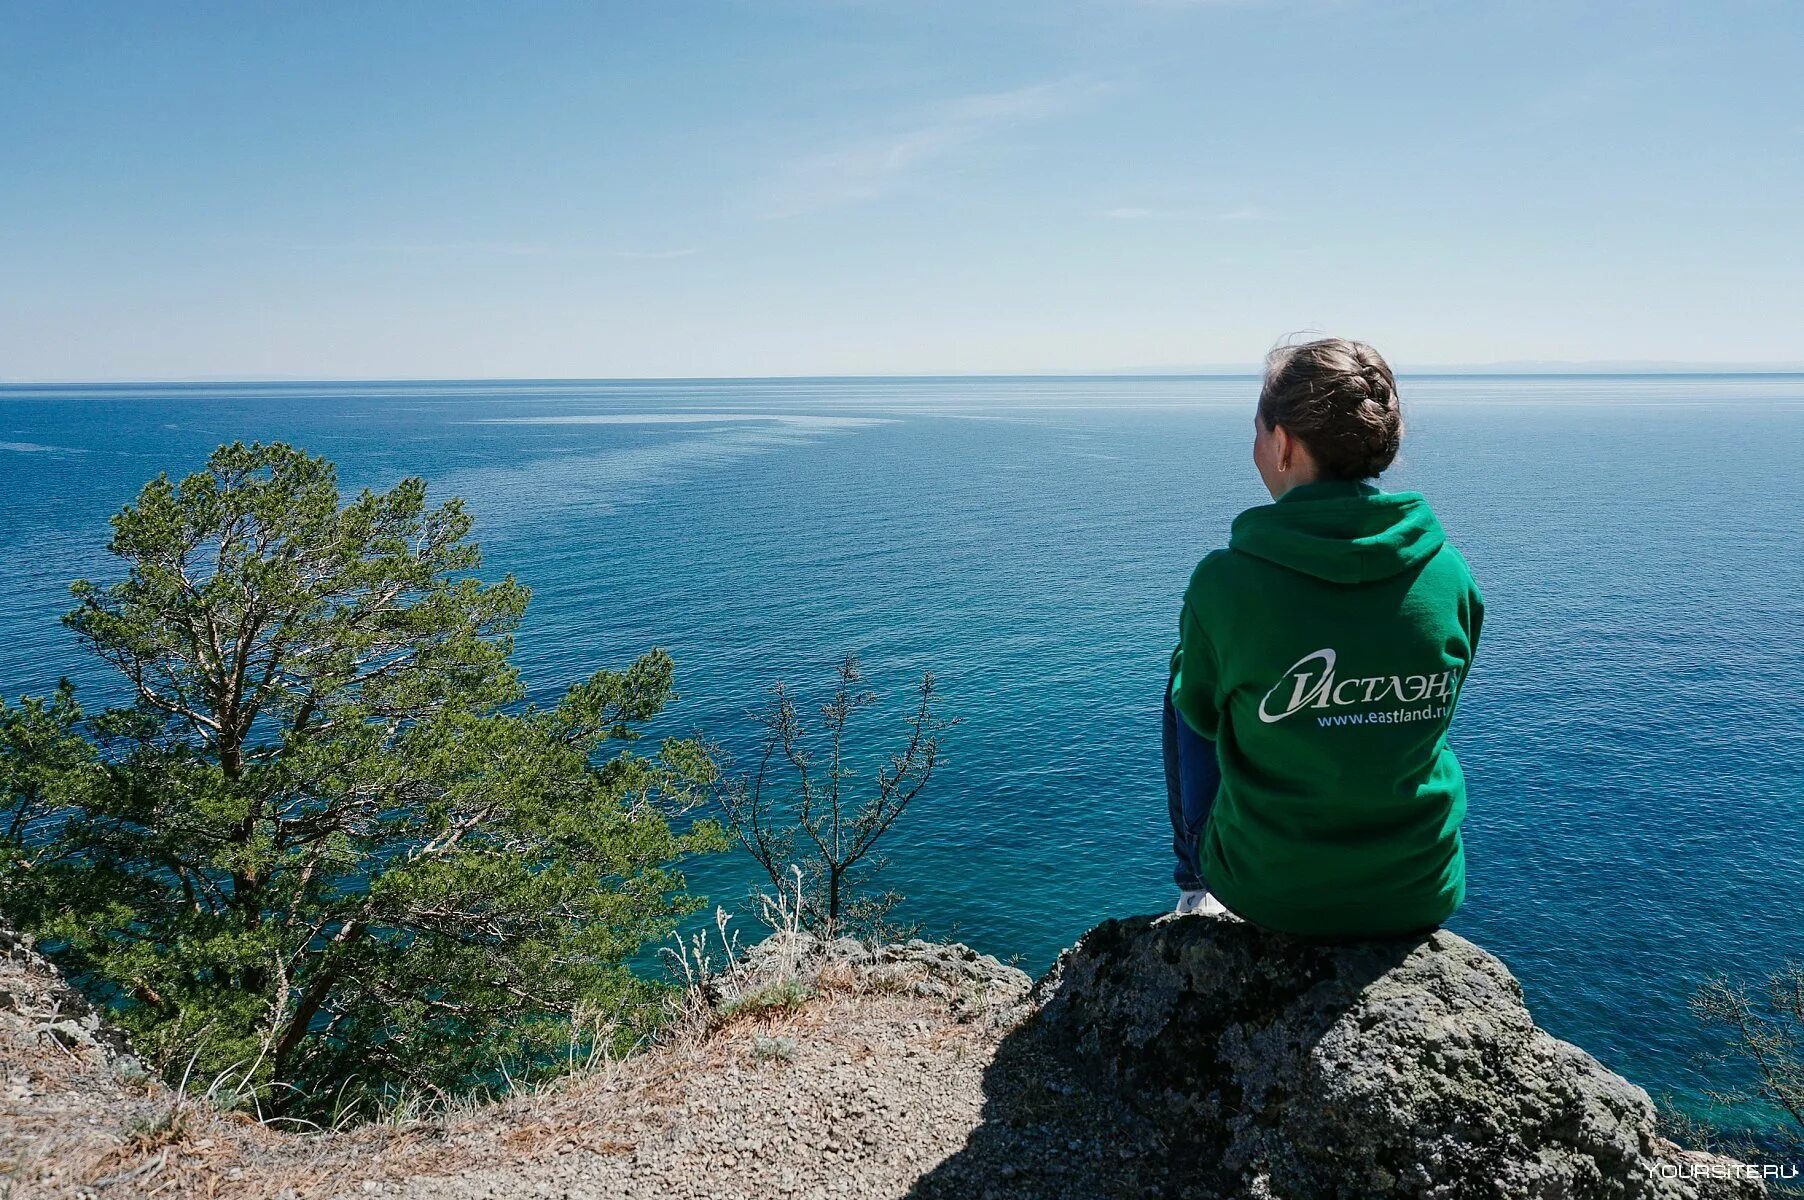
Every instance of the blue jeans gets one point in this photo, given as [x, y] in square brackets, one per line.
[1192, 776]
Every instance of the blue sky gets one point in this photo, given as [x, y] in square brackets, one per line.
[860, 186]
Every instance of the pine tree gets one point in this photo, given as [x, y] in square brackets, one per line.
[328, 851]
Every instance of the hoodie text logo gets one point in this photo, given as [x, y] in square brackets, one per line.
[1311, 683]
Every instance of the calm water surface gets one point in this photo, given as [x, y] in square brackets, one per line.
[1633, 731]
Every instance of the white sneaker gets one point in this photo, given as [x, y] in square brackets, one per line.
[1199, 903]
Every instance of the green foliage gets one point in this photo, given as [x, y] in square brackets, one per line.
[778, 996]
[329, 850]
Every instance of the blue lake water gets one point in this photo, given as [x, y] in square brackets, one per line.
[1632, 732]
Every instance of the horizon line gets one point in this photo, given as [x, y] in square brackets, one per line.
[1202, 371]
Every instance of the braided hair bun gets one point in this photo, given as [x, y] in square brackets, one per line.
[1340, 398]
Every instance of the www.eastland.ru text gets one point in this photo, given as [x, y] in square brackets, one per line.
[1394, 716]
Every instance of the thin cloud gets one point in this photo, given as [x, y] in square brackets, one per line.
[495, 249]
[684, 252]
[465, 250]
[1616, 86]
[876, 166]
[1178, 4]
[523, 250]
[1135, 213]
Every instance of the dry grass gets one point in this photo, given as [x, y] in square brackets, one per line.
[73, 1126]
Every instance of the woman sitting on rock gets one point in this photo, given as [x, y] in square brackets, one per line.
[1318, 664]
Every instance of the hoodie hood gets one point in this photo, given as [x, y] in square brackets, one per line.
[1340, 531]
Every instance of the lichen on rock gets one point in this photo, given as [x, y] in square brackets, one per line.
[1271, 1066]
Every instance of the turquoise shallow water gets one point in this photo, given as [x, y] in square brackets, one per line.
[1633, 731]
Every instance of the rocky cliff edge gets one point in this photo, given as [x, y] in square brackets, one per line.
[1192, 1057]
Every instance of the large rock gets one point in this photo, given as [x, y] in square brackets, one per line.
[1269, 1066]
[974, 985]
[34, 994]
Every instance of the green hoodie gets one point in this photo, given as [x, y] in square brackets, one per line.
[1323, 652]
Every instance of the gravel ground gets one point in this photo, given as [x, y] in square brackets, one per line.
[911, 1071]
[70, 1099]
[876, 1091]
[872, 1087]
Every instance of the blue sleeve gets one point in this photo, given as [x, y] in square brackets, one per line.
[1194, 676]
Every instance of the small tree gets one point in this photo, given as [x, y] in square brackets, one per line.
[1765, 1031]
[328, 851]
[801, 805]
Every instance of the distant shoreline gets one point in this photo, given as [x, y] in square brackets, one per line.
[1773, 372]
